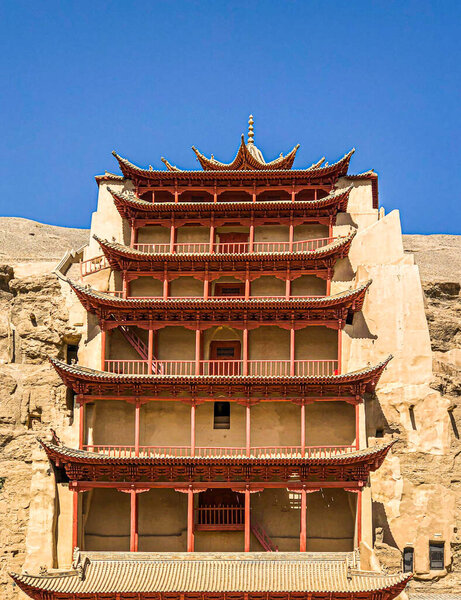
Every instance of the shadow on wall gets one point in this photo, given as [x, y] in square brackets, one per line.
[359, 328]
[377, 426]
[346, 219]
[380, 520]
[343, 270]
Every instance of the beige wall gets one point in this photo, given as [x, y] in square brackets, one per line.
[162, 521]
[106, 518]
[330, 424]
[308, 285]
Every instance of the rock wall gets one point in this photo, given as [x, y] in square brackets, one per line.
[417, 491]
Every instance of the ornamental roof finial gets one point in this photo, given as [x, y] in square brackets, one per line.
[250, 130]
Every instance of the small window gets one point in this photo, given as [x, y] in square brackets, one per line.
[72, 352]
[379, 433]
[221, 415]
[436, 556]
[349, 317]
[408, 557]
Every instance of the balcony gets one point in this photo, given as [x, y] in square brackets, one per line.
[218, 452]
[235, 247]
[253, 368]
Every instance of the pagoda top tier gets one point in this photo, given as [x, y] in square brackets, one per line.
[249, 159]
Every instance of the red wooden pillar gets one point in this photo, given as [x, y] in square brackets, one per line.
[247, 519]
[212, 235]
[303, 533]
[251, 239]
[172, 237]
[340, 349]
[206, 287]
[190, 520]
[247, 284]
[133, 521]
[124, 284]
[329, 274]
[357, 426]
[137, 415]
[75, 520]
[292, 350]
[165, 285]
[291, 235]
[303, 429]
[359, 516]
[81, 424]
[198, 340]
[293, 194]
[134, 234]
[288, 285]
[150, 351]
[176, 193]
[103, 348]
[330, 228]
[248, 429]
[215, 194]
[192, 429]
[245, 350]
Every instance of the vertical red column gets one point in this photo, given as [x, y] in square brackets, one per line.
[133, 521]
[245, 350]
[303, 429]
[340, 349]
[150, 351]
[330, 228]
[137, 414]
[329, 274]
[190, 520]
[81, 423]
[291, 235]
[359, 516]
[247, 284]
[292, 350]
[192, 429]
[247, 519]
[293, 194]
[303, 533]
[75, 519]
[165, 283]
[251, 239]
[288, 285]
[134, 233]
[172, 236]
[357, 426]
[198, 339]
[124, 284]
[212, 235]
[248, 429]
[103, 347]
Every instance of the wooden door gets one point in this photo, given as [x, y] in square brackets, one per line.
[229, 353]
[233, 243]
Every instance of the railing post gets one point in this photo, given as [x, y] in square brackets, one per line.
[303, 533]
[247, 519]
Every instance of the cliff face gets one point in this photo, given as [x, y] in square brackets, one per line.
[37, 321]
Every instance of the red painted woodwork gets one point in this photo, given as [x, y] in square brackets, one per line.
[247, 520]
[229, 290]
[74, 519]
[261, 535]
[190, 520]
[224, 358]
[303, 533]
[232, 243]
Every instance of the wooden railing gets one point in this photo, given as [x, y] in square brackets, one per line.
[255, 368]
[119, 294]
[234, 247]
[219, 451]
[93, 265]
[219, 517]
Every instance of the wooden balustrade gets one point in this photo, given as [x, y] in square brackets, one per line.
[219, 517]
[235, 247]
[93, 265]
[256, 368]
[118, 451]
[119, 294]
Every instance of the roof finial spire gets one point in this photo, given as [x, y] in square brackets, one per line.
[250, 130]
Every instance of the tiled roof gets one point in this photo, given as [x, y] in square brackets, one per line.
[375, 453]
[133, 254]
[131, 200]
[95, 375]
[111, 573]
[227, 303]
[338, 168]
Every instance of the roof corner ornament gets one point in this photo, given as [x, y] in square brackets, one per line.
[251, 135]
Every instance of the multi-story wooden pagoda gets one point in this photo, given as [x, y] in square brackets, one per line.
[222, 450]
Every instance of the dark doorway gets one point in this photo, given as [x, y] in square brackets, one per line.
[220, 509]
[225, 357]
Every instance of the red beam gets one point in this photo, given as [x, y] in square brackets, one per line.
[204, 485]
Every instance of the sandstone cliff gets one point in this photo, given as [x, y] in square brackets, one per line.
[35, 323]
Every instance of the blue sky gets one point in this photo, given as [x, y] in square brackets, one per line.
[150, 79]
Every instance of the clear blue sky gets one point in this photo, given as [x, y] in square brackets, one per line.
[150, 79]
